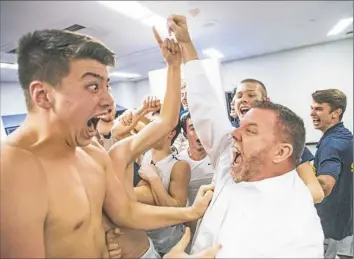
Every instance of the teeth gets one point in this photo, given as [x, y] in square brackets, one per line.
[244, 110]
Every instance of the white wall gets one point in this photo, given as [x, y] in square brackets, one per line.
[2, 131]
[212, 67]
[292, 76]
[142, 90]
[12, 99]
[124, 94]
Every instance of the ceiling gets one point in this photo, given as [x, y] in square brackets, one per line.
[243, 28]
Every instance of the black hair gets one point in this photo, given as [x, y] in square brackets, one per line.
[45, 55]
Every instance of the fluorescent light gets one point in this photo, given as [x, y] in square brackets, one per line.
[124, 75]
[9, 65]
[137, 11]
[155, 20]
[340, 26]
[212, 53]
[132, 9]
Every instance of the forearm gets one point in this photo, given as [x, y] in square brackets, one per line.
[316, 192]
[120, 131]
[189, 52]
[161, 196]
[155, 217]
[172, 101]
[144, 195]
[326, 187]
[144, 120]
[308, 177]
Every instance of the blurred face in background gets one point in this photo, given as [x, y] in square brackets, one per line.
[246, 94]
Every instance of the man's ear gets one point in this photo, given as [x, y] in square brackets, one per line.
[41, 94]
[337, 113]
[284, 151]
[266, 99]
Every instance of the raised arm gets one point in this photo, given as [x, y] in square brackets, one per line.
[168, 117]
[24, 205]
[209, 118]
[130, 119]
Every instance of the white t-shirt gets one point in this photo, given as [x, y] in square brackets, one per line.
[272, 218]
[108, 142]
[164, 238]
[201, 173]
[181, 143]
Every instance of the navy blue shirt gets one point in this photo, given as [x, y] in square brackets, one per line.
[306, 155]
[334, 157]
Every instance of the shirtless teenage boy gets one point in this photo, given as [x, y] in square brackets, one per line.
[54, 184]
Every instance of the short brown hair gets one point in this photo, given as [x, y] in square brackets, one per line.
[46, 54]
[253, 81]
[290, 127]
[335, 98]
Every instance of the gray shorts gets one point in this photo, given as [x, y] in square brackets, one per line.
[151, 252]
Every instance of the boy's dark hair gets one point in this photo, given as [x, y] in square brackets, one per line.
[335, 98]
[184, 118]
[289, 127]
[177, 129]
[45, 55]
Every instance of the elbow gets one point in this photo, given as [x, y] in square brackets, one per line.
[327, 191]
[168, 124]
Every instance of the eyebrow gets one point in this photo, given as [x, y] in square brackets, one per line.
[91, 74]
[248, 124]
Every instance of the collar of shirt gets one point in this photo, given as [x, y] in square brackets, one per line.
[271, 185]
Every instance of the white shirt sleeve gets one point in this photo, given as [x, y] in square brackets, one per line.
[208, 116]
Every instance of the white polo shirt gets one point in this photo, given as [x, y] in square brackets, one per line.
[273, 218]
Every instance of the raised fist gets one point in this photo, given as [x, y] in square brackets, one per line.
[178, 25]
[151, 104]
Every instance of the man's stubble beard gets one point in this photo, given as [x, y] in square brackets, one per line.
[250, 168]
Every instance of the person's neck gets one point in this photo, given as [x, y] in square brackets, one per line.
[329, 126]
[196, 154]
[38, 129]
[159, 154]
